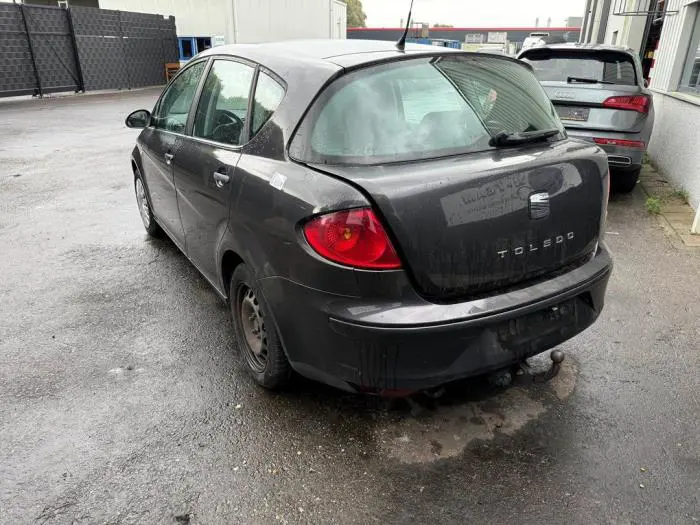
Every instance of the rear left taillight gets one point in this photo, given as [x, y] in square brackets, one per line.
[354, 238]
[638, 103]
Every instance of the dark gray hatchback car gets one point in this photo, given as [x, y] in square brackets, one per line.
[379, 219]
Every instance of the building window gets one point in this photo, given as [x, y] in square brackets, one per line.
[187, 46]
[203, 43]
[190, 46]
[690, 79]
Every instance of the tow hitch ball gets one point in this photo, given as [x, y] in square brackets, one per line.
[503, 378]
[557, 357]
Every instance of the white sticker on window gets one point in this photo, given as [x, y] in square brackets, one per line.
[278, 180]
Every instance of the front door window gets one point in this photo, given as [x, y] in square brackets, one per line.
[223, 107]
[171, 113]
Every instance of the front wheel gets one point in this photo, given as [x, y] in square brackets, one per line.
[255, 332]
[624, 181]
[144, 204]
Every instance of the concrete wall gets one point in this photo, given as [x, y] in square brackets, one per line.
[675, 142]
[676, 136]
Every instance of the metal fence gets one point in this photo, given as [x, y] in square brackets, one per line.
[48, 49]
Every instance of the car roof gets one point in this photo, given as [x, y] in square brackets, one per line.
[575, 46]
[301, 59]
[321, 51]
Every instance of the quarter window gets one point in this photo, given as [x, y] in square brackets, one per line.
[268, 95]
[174, 106]
[223, 106]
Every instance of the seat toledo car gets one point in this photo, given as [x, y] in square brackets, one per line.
[378, 219]
[600, 94]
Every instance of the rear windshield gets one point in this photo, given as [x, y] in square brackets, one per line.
[616, 68]
[422, 108]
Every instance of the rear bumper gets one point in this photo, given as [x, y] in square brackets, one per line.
[361, 344]
[618, 156]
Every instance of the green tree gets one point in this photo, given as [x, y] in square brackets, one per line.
[356, 16]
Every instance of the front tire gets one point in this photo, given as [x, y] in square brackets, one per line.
[624, 181]
[256, 336]
[144, 204]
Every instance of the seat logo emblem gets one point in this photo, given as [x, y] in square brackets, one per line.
[539, 205]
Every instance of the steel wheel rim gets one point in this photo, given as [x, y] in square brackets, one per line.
[142, 202]
[254, 332]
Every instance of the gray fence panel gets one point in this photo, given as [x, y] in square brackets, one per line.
[52, 41]
[121, 49]
[16, 69]
[100, 48]
[83, 47]
[150, 42]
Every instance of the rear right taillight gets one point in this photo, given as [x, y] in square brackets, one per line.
[638, 103]
[354, 238]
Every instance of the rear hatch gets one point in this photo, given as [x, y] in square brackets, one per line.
[465, 161]
[465, 225]
[591, 89]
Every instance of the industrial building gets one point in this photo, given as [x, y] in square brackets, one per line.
[205, 23]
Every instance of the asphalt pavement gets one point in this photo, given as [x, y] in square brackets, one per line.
[122, 399]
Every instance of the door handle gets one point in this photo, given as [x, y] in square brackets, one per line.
[168, 157]
[221, 179]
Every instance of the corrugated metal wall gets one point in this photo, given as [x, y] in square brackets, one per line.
[670, 54]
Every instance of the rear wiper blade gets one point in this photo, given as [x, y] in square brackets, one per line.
[582, 80]
[524, 137]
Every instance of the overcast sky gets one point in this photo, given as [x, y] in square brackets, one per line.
[472, 13]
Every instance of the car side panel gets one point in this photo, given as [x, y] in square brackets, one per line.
[276, 195]
[204, 206]
[158, 174]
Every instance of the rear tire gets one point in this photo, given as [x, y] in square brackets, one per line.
[143, 201]
[624, 181]
[256, 336]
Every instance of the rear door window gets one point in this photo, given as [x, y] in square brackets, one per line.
[422, 108]
[566, 66]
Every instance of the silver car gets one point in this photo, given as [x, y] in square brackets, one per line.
[601, 96]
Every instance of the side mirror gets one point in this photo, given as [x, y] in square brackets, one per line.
[138, 119]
